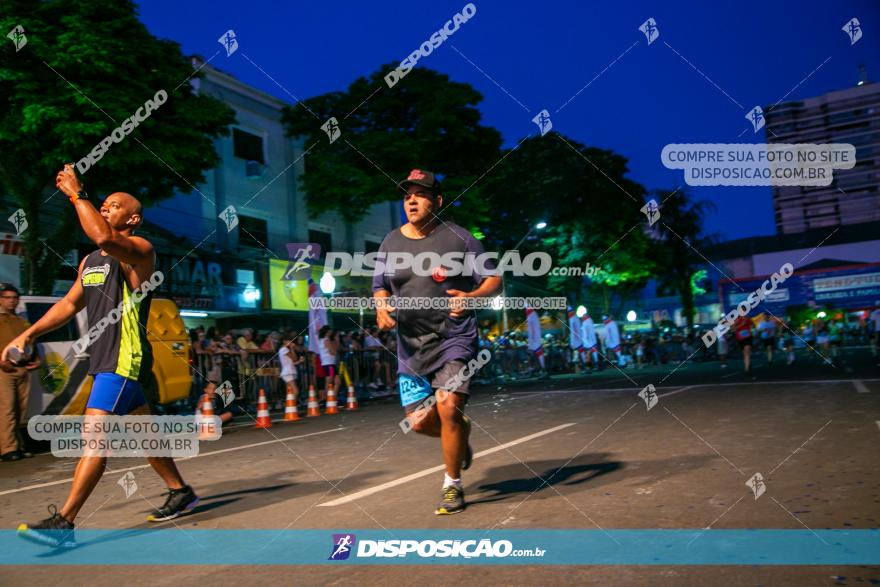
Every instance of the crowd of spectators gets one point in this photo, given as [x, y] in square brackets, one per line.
[366, 359]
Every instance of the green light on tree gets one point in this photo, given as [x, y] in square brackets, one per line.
[696, 279]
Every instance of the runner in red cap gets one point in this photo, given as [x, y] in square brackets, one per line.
[434, 345]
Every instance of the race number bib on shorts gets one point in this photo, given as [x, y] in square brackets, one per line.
[413, 389]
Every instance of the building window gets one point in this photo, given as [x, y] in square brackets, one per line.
[252, 232]
[325, 239]
[247, 146]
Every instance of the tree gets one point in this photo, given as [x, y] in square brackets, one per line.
[679, 244]
[425, 120]
[590, 207]
[86, 67]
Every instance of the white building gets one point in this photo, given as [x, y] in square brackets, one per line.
[258, 175]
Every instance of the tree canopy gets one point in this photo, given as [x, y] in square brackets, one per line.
[86, 67]
[426, 121]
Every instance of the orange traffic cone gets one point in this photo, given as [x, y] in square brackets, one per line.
[312, 408]
[330, 407]
[351, 402]
[207, 428]
[291, 413]
[263, 420]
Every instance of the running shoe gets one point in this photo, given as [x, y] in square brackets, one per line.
[469, 453]
[178, 501]
[54, 531]
[452, 502]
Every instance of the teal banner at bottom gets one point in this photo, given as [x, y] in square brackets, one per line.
[432, 547]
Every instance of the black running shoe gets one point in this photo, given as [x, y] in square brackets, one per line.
[179, 501]
[452, 502]
[54, 531]
[469, 453]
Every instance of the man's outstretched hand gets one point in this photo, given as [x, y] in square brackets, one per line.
[67, 182]
[383, 314]
[456, 303]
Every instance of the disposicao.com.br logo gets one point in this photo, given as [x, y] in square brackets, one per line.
[469, 549]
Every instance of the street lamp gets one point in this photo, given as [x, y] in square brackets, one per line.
[580, 312]
[631, 316]
[327, 283]
[540, 225]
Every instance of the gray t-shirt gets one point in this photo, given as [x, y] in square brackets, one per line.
[427, 339]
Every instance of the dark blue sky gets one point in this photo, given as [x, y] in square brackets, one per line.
[542, 53]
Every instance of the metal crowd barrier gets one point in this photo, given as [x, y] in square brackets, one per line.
[373, 373]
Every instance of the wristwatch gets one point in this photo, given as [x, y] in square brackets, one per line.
[82, 195]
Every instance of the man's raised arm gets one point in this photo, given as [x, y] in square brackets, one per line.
[128, 249]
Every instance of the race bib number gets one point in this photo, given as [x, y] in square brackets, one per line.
[413, 389]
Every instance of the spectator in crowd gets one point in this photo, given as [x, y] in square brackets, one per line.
[640, 352]
[823, 339]
[612, 338]
[723, 349]
[270, 345]
[230, 358]
[249, 361]
[219, 407]
[767, 331]
[15, 380]
[742, 328]
[835, 337]
[687, 346]
[374, 347]
[289, 358]
[809, 334]
[246, 343]
[329, 349]
[210, 363]
[788, 338]
[211, 336]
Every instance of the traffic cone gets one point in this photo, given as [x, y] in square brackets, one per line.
[312, 408]
[351, 402]
[263, 420]
[330, 406]
[291, 413]
[207, 428]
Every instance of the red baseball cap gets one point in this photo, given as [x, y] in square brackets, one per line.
[420, 177]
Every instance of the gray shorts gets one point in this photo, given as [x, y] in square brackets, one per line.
[451, 374]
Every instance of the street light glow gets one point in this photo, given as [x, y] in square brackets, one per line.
[327, 283]
[631, 316]
[541, 225]
[581, 311]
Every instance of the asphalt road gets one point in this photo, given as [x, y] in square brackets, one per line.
[810, 429]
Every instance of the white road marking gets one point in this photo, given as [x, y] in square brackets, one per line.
[424, 472]
[201, 454]
[677, 391]
[513, 396]
[733, 384]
